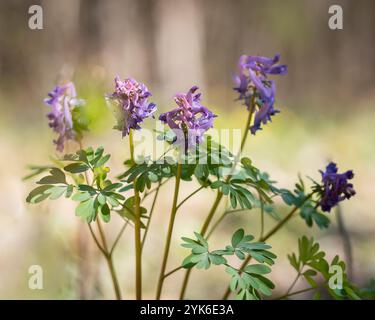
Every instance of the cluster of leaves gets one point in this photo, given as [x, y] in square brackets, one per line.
[237, 187]
[207, 161]
[248, 283]
[100, 197]
[96, 200]
[308, 207]
[52, 186]
[311, 262]
[147, 173]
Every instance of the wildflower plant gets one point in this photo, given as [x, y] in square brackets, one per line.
[192, 155]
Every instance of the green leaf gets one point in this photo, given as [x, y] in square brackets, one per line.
[102, 161]
[217, 259]
[112, 187]
[105, 213]
[38, 194]
[56, 192]
[81, 196]
[69, 191]
[237, 237]
[56, 176]
[102, 199]
[257, 269]
[76, 167]
[86, 210]
[85, 187]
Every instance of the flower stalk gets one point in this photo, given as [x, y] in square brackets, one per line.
[169, 233]
[137, 228]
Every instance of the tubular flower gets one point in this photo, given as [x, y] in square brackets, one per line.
[335, 187]
[190, 120]
[62, 100]
[252, 83]
[131, 104]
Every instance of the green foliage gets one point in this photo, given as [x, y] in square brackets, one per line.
[147, 173]
[238, 195]
[308, 207]
[200, 256]
[242, 245]
[94, 201]
[101, 197]
[52, 186]
[311, 262]
[84, 160]
[248, 283]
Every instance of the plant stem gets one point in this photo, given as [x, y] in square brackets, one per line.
[261, 216]
[109, 260]
[96, 240]
[118, 237]
[270, 234]
[137, 228]
[150, 216]
[217, 224]
[172, 271]
[293, 283]
[247, 127]
[170, 231]
[154, 190]
[294, 293]
[345, 240]
[189, 196]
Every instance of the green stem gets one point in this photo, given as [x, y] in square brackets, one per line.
[172, 271]
[270, 234]
[109, 260]
[189, 196]
[293, 283]
[222, 218]
[137, 229]
[294, 293]
[154, 190]
[261, 216]
[216, 224]
[150, 216]
[118, 237]
[170, 231]
[247, 127]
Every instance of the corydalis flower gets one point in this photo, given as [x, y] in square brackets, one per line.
[335, 187]
[254, 86]
[131, 104]
[190, 120]
[62, 100]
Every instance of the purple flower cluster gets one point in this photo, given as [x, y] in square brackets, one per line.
[62, 100]
[335, 187]
[253, 84]
[132, 106]
[190, 120]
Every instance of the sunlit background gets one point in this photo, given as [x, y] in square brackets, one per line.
[327, 103]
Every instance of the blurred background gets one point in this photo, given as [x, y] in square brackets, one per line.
[327, 103]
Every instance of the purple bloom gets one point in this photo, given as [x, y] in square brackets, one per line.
[131, 104]
[190, 120]
[252, 83]
[335, 187]
[62, 100]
